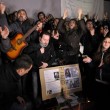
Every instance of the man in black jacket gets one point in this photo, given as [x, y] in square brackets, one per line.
[9, 81]
[21, 25]
[43, 56]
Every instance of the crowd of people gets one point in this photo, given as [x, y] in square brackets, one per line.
[48, 42]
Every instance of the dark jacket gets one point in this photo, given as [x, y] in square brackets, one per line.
[71, 39]
[9, 84]
[23, 28]
[3, 21]
[105, 68]
[59, 46]
[90, 43]
[34, 51]
[17, 27]
[5, 45]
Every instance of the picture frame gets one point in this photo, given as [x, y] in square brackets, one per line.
[55, 79]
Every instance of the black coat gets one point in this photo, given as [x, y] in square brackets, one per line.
[4, 43]
[105, 67]
[9, 85]
[72, 39]
[90, 43]
[3, 21]
[4, 47]
[34, 51]
[23, 28]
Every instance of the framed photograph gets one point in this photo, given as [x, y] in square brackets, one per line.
[54, 79]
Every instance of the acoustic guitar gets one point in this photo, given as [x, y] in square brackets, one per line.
[18, 44]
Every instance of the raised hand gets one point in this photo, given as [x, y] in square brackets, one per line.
[44, 65]
[87, 59]
[21, 101]
[65, 15]
[80, 12]
[2, 8]
[96, 18]
[4, 32]
[55, 34]
[42, 50]
[39, 26]
[106, 16]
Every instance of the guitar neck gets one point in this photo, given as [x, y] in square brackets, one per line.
[28, 33]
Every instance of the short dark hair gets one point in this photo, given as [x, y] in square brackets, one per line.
[75, 21]
[23, 11]
[90, 20]
[46, 33]
[23, 61]
[41, 13]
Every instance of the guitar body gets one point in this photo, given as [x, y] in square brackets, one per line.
[17, 46]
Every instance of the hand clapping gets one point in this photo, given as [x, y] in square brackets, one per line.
[2, 8]
[4, 32]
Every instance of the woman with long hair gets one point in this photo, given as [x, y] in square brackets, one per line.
[101, 63]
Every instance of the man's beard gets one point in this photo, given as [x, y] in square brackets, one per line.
[43, 45]
[21, 19]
